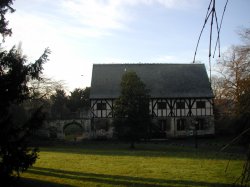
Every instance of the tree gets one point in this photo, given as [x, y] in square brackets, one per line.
[44, 87]
[15, 154]
[40, 92]
[5, 6]
[234, 69]
[244, 115]
[63, 105]
[59, 107]
[231, 87]
[131, 109]
[244, 100]
[79, 99]
[217, 83]
[16, 126]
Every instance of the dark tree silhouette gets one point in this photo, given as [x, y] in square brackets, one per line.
[79, 99]
[16, 128]
[59, 107]
[15, 154]
[5, 6]
[132, 118]
[64, 106]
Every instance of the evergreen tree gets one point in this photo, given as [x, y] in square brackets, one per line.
[15, 154]
[59, 109]
[131, 110]
[79, 99]
[16, 126]
[5, 6]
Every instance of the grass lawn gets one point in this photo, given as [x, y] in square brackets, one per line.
[113, 164]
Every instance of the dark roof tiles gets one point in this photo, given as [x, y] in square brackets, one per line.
[163, 80]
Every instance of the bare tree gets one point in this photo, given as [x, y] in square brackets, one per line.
[44, 88]
[234, 68]
[234, 71]
[217, 83]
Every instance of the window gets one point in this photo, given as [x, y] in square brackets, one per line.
[200, 124]
[101, 106]
[200, 104]
[162, 125]
[181, 124]
[161, 105]
[180, 105]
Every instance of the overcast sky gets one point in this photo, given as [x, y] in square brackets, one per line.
[83, 32]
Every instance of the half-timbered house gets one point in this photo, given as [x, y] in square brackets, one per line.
[181, 97]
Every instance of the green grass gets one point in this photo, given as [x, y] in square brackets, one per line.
[113, 164]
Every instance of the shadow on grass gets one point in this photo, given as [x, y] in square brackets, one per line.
[26, 182]
[145, 150]
[117, 179]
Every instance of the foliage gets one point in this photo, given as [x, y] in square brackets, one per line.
[63, 106]
[59, 104]
[15, 72]
[244, 113]
[244, 100]
[217, 86]
[234, 69]
[131, 111]
[234, 82]
[16, 125]
[231, 82]
[44, 87]
[79, 99]
[5, 6]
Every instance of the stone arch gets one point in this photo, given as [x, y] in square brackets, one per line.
[59, 127]
[73, 123]
[78, 135]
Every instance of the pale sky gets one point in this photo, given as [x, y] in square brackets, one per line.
[81, 33]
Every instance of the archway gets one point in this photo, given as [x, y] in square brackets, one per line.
[73, 131]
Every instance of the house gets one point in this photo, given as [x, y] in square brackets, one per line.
[181, 97]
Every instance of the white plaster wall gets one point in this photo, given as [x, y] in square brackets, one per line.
[101, 113]
[207, 111]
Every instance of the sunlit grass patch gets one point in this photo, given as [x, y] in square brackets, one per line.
[149, 165]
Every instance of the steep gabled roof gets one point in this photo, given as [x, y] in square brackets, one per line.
[163, 80]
